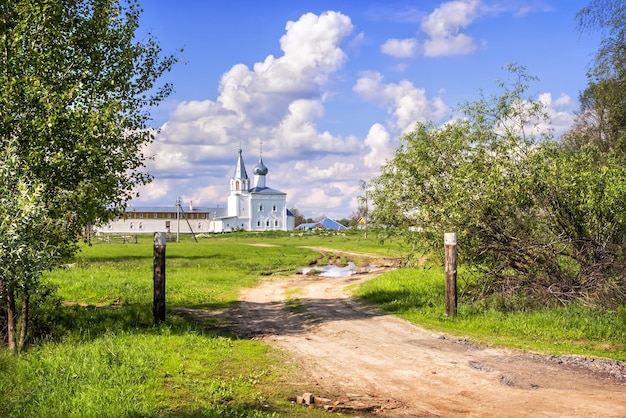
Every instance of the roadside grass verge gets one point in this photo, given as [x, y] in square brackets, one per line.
[105, 358]
[418, 295]
[161, 371]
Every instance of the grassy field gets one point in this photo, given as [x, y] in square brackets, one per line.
[417, 294]
[103, 357]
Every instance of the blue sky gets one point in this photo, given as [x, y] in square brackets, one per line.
[329, 86]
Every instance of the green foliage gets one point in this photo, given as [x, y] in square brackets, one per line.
[602, 120]
[537, 222]
[621, 312]
[76, 86]
[27, 246]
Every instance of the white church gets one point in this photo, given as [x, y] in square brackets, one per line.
[252, 206]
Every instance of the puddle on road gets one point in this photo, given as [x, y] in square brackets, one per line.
[336, 271]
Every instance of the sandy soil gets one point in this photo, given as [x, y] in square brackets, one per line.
[401, 370]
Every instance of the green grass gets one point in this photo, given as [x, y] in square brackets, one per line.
[164, 371]
[417, 295]
[103, 356]
[205, 274]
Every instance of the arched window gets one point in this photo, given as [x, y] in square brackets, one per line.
[258, 223]
[132, 226]
[267, 223]
[274, 209]
[260, 207]
[275, 222]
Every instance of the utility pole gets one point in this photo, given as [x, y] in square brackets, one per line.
[363, 186]
[178, 219]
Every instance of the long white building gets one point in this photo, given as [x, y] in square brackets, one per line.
[251, 206]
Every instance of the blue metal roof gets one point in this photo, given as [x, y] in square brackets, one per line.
[332, 224]
[324, 223]
[307, 226]
[264, 190]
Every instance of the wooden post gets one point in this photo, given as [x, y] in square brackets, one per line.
[158, 305]
[449, 241]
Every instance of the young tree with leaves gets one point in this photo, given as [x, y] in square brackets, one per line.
[27, 247]
[602, 118]
[77, 82]
[537, 222]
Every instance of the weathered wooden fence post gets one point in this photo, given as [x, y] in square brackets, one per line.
[158, 305]
[449, 241]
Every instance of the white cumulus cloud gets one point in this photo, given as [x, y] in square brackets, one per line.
[561, 112]
[400, 48]
[443, 27]
[405, 103]
[379, 143]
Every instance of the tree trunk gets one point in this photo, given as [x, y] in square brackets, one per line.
[24, 322]
[3, 313]
[11, 319]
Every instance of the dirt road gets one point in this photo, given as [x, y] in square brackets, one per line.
[402, 370]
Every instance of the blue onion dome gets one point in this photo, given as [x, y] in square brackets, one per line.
[260, 169]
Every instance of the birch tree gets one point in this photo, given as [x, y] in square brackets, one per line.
[77, 82]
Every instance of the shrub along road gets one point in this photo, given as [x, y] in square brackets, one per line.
[365, 358]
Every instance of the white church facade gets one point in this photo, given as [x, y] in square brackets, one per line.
[251, 206]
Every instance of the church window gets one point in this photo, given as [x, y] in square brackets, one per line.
[140, 225]
[237, 186]
[274, 208]
[276, 222]
[267, 223]
[261, 207]
[258, 223]
[132, 226]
